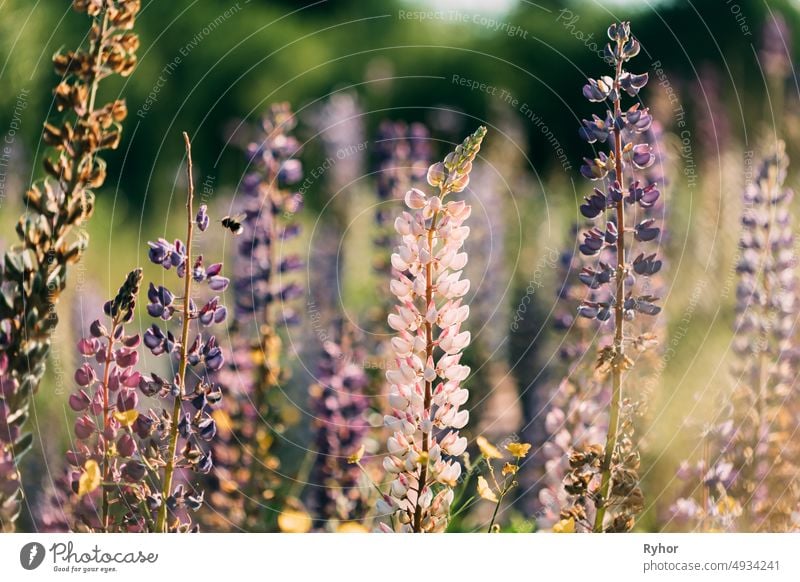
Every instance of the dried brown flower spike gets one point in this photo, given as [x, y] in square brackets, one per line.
[33, 272]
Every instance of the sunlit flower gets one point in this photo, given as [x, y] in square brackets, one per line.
[565, 526]
[425, 386]
[518, 450]
[487, 449]
[484, 491]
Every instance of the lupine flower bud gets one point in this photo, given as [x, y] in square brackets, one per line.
[126, 446]
[202, 218]
[436, 174]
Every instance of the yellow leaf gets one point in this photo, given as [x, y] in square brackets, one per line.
[351, 527]
[356, 457]
[294, 521]
[487, 449]
[509, 469]
[126, 418]
[565, 526]
[519, 450]
[485, 491]
[90, 478]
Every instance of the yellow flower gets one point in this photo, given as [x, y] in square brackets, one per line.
[509, 469]
[485, 491]
[294, 521]
[351, 527]
[519, 450]
[487, 449]
[728, 506]
[126, 418]
[356, 457]
[90, 478]
[565, 526]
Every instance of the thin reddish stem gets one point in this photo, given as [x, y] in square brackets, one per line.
[619, 319]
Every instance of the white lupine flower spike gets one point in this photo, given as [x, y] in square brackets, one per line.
[425, 382]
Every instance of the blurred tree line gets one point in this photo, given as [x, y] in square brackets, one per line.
[223, 60]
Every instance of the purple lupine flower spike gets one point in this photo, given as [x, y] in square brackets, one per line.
[748, 467]
[602, 484]
[264, 289]
[338, 405]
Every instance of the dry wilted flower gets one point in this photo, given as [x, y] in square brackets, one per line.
[34, 272]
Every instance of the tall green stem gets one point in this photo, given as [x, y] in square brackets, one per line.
[169, 470]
